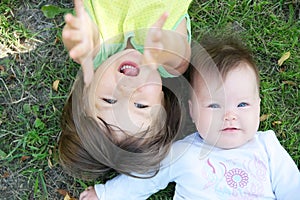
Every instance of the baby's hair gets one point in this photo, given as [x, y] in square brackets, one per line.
[218, 55]
[88, 147]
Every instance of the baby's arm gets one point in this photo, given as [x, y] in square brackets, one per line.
[285, 175]
[88, 194]
[127, 187]
[167, 47]
[80, 35]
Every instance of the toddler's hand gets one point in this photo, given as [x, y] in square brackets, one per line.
[153, 43]
[79, 34]
[88, 194]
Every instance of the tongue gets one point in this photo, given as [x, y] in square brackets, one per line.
[130, 71]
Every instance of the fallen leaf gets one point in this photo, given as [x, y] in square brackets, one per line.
[264, 117]
[2, 68]
[18, 58]
[67, 197]
[65, 194]
[24, 158]
[62, 192]
[281, 70]
[50, 165]
[276, 123]
[55, 85]
[284, 57]
[289, 83]
[11, 77]
[5, 175]
[57, 40]
[54, 108]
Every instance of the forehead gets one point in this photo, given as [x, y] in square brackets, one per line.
[242, 77]
[212, 72]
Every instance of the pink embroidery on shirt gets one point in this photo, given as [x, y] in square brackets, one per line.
[236, 178]
[225, 169]
[208, 162]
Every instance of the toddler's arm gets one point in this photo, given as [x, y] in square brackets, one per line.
[167, 47]
[80, 35]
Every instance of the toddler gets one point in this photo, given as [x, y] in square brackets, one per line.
[122, 115]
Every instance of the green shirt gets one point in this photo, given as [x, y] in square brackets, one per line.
[122, 20]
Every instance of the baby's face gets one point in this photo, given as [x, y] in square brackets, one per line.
[127, 94]
[227, 115]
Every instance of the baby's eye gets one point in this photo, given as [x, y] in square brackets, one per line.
[139, 105]
[214, 105]
[110, 101]
[243, 104]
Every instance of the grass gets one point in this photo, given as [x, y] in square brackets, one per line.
[34, 57]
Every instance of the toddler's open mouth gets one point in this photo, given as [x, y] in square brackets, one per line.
[129, 69]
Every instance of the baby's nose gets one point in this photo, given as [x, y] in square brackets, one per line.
[229, 116]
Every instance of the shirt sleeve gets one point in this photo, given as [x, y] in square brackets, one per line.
[127, 187]
[285, 176]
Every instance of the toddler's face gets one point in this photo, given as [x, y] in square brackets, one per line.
[127, 95]
[227, 115]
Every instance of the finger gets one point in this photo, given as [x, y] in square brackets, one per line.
[155, 34]
[79, 7]
[161, 21]
[72, 21]
[77, 51]
[68, 17]
[86, 62]
[149, 60]
[72, 35]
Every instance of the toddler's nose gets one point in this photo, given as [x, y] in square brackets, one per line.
[124, 89]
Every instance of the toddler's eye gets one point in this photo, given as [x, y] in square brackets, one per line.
[110, 101]
[214, 105]
[243, 104]
[138, 105]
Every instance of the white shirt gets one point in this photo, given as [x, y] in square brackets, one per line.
[260, 169]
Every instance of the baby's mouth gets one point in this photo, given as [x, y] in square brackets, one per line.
[129, 69]
[230, 129]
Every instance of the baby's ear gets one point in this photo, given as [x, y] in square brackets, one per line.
[191, 109]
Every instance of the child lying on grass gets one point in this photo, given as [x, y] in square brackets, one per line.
[119, 115]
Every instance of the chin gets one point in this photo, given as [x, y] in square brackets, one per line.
[230, 145]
